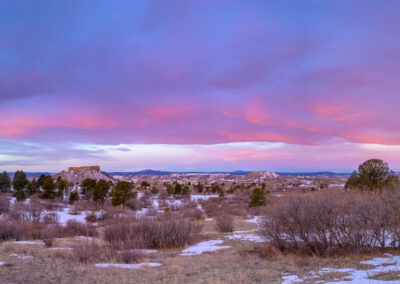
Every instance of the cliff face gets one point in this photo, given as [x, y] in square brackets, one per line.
[90, 168]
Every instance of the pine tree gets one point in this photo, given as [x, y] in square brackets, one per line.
[88, 186]
[73, 196]
[61, 186]
[20, 195]
[101, 190]
[32, 187]
[20, 181]
[372, 175]
[48, 188]
[121, 192]
[5, 182]
[257, 198]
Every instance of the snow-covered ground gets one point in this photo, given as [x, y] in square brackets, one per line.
[128, 266]
[60, 248]
[246, 236]
[27, 243]
[65, 215]
[197, 197]
[255, 219]
[21, 256]
[386, 264]
[206, 246]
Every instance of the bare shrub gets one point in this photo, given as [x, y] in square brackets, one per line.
[163, 195]
[75, 228]
[91, 218]
[88, 252]
[192, 213]
[19, 212]
[48, 238]
[164, 231]
[146, 198]
[50, 218]
[5, 204]
[333, 222]
[224, 223]
[11, 230]
[128, 256]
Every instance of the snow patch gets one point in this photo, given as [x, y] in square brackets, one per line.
[205, 246]
[353, 275]
[21, 256]
[60, 248]
[128, 266]
[246, 237]
[255, 220]
[27, 243]
[196, 197]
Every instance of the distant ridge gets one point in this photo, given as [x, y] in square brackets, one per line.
[237, 172]
[315, 174]
[141, 173]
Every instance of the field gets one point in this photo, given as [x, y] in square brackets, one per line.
[216, 239]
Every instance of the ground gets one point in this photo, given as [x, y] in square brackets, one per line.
[243, 262]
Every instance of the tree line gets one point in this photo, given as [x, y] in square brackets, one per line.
[46, 187]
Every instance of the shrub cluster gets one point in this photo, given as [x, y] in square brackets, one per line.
[163, 231]
[224, 223]
[332, 222]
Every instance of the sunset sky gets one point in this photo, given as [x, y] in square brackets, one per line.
[199, 85]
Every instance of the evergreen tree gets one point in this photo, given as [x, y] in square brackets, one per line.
[48, 188]
[101, 190]
[32, 187]
[178, 188]
[61, 186]
[88, 186]
[73, 196]
[20, 194]
[186, 190]
[372, 175]
[215, 188]
[20, 181]
[199, 188]
[41, 180]
[154, 190]
[170, 189]
[257, 198]
[121, 192]
[5, 182]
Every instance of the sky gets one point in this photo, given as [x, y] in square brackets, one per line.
[200, 85]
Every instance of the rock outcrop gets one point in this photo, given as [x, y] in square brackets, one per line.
[76, 175]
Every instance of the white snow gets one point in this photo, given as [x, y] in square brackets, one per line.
[85, 238]
[127, 266]
[246, 237]
[27, 243]
[289, 279]
[21, 256]
[205, 246]
[60, 248]
[255, 219]
[142, 250]
[353, 275]
[64, 216]
[196, 197]
[209, 219]
[2, 263]
[146, 250]
[175, 203]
